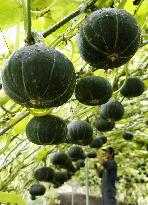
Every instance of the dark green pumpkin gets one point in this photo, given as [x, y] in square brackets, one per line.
[45, 130]
[93, 90]
[61, 177]
[103, 138]
[38, 76]
[61, 159]
[112, 110]
[108, 38]
[91, 154]
[98, 142]
[80, 163]
[75, 153]
[45, 174]
[37, 190]
[128, 136]
[104, 125]
[133, 87]
[80, 132]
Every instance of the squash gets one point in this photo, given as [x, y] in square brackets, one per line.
[37, 190]
[133, 87]
[75, 153]
[108, 38]
[38, 76]
[93, 90]
[80, 132]
[112, 110]
[91, 154]
[45, 174]
[128, 136]
[45, 130]
[61, 159]
[104, 125]
[98, 142]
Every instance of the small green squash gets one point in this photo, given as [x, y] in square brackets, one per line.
[91, 154]
[61, 177]
[45, 130]
[37, 190]
[112, 110]
[104, 125]
[75, 153]
[133, 87]
[45, 174]
[80, 132]
[61, 159]
[98, 142]
[80, 163]
[93, 90]
[38, 76]
[128, 136]
[108, 38]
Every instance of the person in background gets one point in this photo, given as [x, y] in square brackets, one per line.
[108, 175]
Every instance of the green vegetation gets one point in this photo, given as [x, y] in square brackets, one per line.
[52, 92]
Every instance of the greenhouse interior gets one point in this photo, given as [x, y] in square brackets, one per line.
[74, 102]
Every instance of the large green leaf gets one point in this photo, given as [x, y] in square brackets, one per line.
[10, 13]
[11, 198]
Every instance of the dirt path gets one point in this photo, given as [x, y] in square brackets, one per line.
[79, 199]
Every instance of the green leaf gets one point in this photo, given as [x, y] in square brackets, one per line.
[4, 143]
[11, 198]
[10, 14]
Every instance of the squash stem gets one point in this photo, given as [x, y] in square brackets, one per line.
[29, 39]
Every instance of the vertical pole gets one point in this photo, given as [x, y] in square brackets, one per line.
[72, 197]
[87, 181]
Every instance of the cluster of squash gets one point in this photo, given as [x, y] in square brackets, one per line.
[71, 162]
[40, 77]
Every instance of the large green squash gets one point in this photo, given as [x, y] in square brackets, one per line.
[45, 174]
[38, 76]
[104, 125]
[93, 90]
[80, 132]
[45, 130]
[133, 87]
[112, 110]
[108, 38]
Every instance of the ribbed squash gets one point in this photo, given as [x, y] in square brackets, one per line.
[93, 90]
[104, 125]
[108, 38]
[61, 159]
[37, 190]
[61, 177]
[38, 76]
[45, 130]
[133, 87]
[75, 153]
[45, 174]
[112, 110]
[98, 142]
[80, 132]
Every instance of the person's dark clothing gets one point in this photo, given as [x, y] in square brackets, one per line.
[108, 187]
